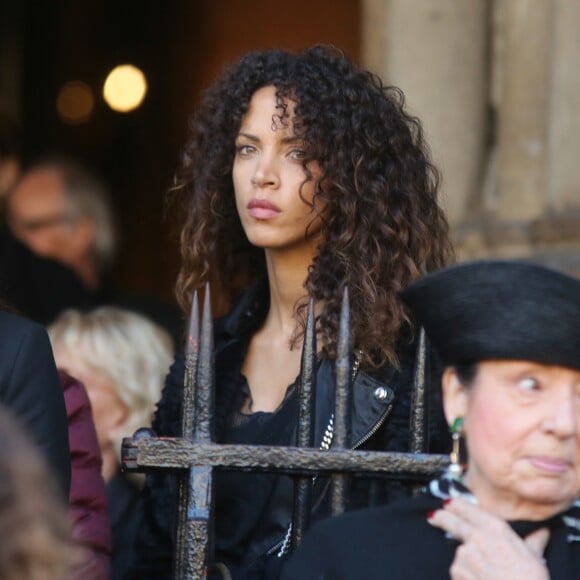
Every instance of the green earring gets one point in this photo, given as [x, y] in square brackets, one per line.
[456, 429]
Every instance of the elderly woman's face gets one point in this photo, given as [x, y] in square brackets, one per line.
[522, 429]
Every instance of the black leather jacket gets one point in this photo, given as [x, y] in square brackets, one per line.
[380, 420]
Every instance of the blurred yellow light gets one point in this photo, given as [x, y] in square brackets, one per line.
[75, 102]
[125, 88]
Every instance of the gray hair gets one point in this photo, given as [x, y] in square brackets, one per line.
[128, 348]
[86, 196]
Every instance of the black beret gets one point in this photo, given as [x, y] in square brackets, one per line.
[512, 310]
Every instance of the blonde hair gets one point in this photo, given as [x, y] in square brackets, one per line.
[33, 517]
[133, 352]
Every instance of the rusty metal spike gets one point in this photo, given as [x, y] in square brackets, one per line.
[188, 427]
[342, 412]
[343, 378]
[192, 343]
[307, 395]
[204, 399]
[197, 530]
[307, 382]
[418, 420]
[188, 411]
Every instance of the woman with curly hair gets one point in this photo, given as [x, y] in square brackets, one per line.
[303, 175]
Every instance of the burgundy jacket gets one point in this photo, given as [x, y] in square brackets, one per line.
[88, 498]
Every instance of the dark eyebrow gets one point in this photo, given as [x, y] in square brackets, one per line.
[292, 139]
[252, 138]
[285, 140]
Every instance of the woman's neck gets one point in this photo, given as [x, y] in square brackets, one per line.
[286, 276]
[511, 506]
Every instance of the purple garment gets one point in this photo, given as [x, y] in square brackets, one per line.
[88, 497]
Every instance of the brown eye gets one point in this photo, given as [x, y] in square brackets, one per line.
[245, 149]
[529, 384]
[297, 154]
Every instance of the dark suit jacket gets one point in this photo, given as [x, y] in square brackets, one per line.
[30, 389]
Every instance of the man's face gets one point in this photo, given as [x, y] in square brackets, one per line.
[39, 215]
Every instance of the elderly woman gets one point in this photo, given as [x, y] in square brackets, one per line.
[122, 358]
[509, 335]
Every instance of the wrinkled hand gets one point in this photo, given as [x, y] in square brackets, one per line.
[489, 548]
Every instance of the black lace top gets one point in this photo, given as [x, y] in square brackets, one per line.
[242, 499]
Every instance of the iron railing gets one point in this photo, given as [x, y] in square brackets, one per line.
[194, 455]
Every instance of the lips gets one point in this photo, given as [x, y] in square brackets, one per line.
[548, 464]
[262, 209]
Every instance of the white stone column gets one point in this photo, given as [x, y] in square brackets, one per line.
[563, 179]
[435, 50]
[523, 108]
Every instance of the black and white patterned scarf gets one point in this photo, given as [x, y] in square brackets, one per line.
[448, 486]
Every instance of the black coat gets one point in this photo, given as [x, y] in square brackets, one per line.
[380, 420]
[123, 500]
[30, 389]
[397, 543]
[37, 287]
[41, 288]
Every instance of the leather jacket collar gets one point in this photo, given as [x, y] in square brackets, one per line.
[372, 398]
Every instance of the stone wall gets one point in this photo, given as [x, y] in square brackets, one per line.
[497, 85]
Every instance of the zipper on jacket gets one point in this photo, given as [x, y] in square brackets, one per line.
[375, 427]
[361, 441]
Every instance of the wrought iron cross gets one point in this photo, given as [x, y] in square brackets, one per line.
[194, 456]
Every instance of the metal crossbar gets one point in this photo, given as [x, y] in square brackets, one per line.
[194, 455]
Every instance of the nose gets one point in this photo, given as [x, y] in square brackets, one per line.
[563, 414]
[266, 173]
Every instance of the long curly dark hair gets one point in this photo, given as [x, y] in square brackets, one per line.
[382, 226]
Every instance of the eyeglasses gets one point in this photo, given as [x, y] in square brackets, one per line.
[36, 225]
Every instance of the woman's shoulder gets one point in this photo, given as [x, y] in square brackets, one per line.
[366, 543]
[395, 517]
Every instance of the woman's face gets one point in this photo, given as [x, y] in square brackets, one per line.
[268, 178]
[522, 430]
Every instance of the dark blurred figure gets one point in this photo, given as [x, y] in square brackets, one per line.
[38, 287]
[60, 211]
[33, 522]
[41, 288]
[30, 389]
[10, 150]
